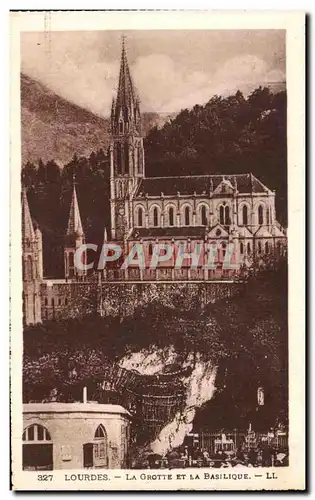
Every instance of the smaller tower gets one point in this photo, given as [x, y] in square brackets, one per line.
[74, 239]
[32, 265]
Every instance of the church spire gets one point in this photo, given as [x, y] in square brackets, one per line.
[74, 239]
[74, 221]
[28, 232]
[125, 108]
[126, 95]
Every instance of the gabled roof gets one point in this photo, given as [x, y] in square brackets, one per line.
[199, 184]
[74, 221]
[217, 231]
[245, 232]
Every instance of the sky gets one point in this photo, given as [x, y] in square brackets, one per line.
[172, 70]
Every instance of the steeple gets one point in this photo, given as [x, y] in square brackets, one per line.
[125, 109]
[28, 233]
[74, 239]
[127, 163]
[74, 222]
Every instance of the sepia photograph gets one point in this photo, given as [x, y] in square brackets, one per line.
[154, 256]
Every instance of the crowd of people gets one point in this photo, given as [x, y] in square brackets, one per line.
[262, 455]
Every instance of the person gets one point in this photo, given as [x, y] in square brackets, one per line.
[206, 458]
[240, 454]
[252, 456]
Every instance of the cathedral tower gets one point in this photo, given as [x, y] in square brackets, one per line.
[74, 239]
[32, 265]
[126, 151]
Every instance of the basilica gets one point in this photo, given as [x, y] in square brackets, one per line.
[183, 212]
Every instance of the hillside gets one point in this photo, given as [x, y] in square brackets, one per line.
[55, 129]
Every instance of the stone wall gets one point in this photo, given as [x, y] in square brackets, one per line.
[76, 299]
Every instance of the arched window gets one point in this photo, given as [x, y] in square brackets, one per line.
[66, 301]
[245, 215]
[46, 302]
[118, 154]
[71, 259]
[222, 214]
[187, 216]
[155, 217]
[227, 216]
[267, 217]
[259, 247]
[53, 302]
[203, 216]
[140, 217]
[29, 268]
[248, 248]
[126, 158]
[171, 216]
[260, 215]
[100, 432]
[36, 433]
[242, 248]
[59, 302]
[279, 248]
[266, 247]
[37, 448]
[150, 249]
[100, 447]
[121, 127]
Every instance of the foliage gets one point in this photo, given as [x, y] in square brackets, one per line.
[49, 192]
[227, 135]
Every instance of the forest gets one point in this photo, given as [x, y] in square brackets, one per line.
[227, 135]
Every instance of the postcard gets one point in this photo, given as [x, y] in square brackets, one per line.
[157, 216]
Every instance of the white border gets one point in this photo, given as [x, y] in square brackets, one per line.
[294, 23]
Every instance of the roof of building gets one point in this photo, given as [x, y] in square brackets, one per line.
[78, 407]
[199, 184]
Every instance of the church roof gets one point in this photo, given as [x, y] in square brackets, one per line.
[74, 221]
[27, 224]
[199, 184]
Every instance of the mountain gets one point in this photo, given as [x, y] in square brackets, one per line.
[55, 129]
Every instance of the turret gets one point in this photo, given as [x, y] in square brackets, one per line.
[32, 265]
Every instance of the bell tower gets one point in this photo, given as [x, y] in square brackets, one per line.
[126, 151]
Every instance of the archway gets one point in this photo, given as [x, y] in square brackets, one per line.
[100, 447]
